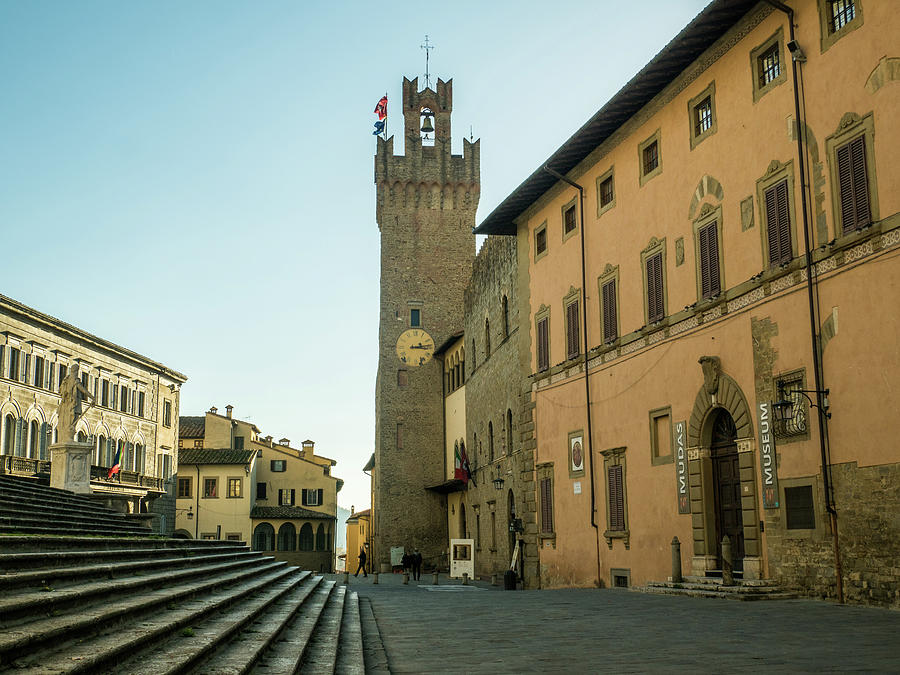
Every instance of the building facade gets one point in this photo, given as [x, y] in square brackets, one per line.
[667, 259]
[134, 413]
[358, 535]
[426, 201]
[239, 485]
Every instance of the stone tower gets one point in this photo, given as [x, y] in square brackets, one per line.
[426, 201]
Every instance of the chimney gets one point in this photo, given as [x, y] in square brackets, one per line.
[228, 409]
[307, 448]
[284, 441]
[352, 510]
[214, 410]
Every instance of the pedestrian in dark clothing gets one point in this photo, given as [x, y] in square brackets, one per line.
[417, 565]
[362, 563]
[406, 562]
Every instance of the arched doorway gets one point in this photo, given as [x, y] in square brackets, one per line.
[727, 486]
[264, 537]
[462, 521]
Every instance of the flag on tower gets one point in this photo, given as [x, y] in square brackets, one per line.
[381, 111]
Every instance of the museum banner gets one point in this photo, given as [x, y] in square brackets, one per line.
[679, 431]
[768, 466]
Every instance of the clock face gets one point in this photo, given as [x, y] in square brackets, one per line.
[415, 347]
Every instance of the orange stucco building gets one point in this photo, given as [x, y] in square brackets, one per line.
[668, 236]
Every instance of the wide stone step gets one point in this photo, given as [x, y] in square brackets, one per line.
[15, 605]
[26, 517]
[48, 561]
[168, 640]
[74, 544]
[351, 660]
[115, 607]
[57, 503]
[19, 528]
[321, 657]
[56, 577]
[287, 652]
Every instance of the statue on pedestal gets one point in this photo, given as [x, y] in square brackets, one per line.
[71, 393]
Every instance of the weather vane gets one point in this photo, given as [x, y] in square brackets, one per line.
[427, 47]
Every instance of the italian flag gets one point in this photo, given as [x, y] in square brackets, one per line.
[114, 469]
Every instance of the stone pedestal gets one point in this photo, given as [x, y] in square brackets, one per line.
[752, 567]
[70, 467]
[700, 564]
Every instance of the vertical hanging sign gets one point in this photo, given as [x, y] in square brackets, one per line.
[767, 462]
[681, 468]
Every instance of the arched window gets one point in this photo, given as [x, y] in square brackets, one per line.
[509, 432]
[505, 306]
[306, 537]
[264, 537]
[33, 439]
[490, 441]
[125, 461]
[487, 338]
[139, 458]
[287, 537]
[9, 435]
[320, 538]
[81, 437]
[102, 451]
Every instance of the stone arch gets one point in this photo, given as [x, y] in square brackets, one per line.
[707, 186]
[729, 396]
[887, 70]
[35, 412]
[264, 537]
[12, 407]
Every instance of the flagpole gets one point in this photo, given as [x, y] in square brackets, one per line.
[385, 118]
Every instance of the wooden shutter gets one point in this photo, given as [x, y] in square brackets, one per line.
[572, 330]
[546, 505]
[281, 498]
[304, 496]
[778, 224]
[293, 495]
[20, 437]
[45, 430]
[321, 494]
[543, 345]
[710, 285]
[27, 368]
[853, 183]
[616, 498]
[610, 321]
[655, 310]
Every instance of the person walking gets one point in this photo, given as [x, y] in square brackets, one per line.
[362, 563]
[417, 564]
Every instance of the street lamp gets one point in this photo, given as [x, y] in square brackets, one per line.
[498, 481]
[783, 409]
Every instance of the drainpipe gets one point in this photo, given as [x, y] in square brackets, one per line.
[813, 328]
[197, 501]
[587, 386]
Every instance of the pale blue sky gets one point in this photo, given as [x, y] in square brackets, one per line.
[193, 180]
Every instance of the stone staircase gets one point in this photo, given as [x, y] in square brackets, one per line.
[77, 604]
[712, 587]
[29, 507]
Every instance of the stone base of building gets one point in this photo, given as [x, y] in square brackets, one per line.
[701, 564]
[70, 467]
[752, 567]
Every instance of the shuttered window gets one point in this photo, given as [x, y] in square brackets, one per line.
[312, 497]
[543, 344]
[655, 306]
[710, 282]
[610, 318]
[572, 330]
[778, 224]
[546, 505]
[614, 479]
[853, 184]
[569, 220]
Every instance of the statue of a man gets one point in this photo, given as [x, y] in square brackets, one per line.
[71, 392]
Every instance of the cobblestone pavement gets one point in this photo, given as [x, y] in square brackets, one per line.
[483, 629]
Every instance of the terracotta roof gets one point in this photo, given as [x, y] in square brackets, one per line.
[191, 427]
[288, 512]
[214, 456]
[707, 27]
[356, 516]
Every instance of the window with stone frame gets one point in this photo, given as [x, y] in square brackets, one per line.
[545, 495]
[775, 193]
[616, 498]
[788, 387]
[210, 488]
[13, 363]
[853, 185]
[838, 18]
[184, 488]
[39, 371]
[768, 65]
[415, 317]
[702, 115]
[609, 310]
[653, 276]
[661, 436]
[569, 219]
[799, 508]
[542, 339]
[606, 193]
[167, 413]
[540, 241]
[235, 488]
[573, 343]
[651, 157]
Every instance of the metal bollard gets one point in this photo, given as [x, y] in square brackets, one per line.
[435, 582]
[676, 561]
[374, 577]
[346, 578]
[465, 578]
[406, 578]
[727, 562]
